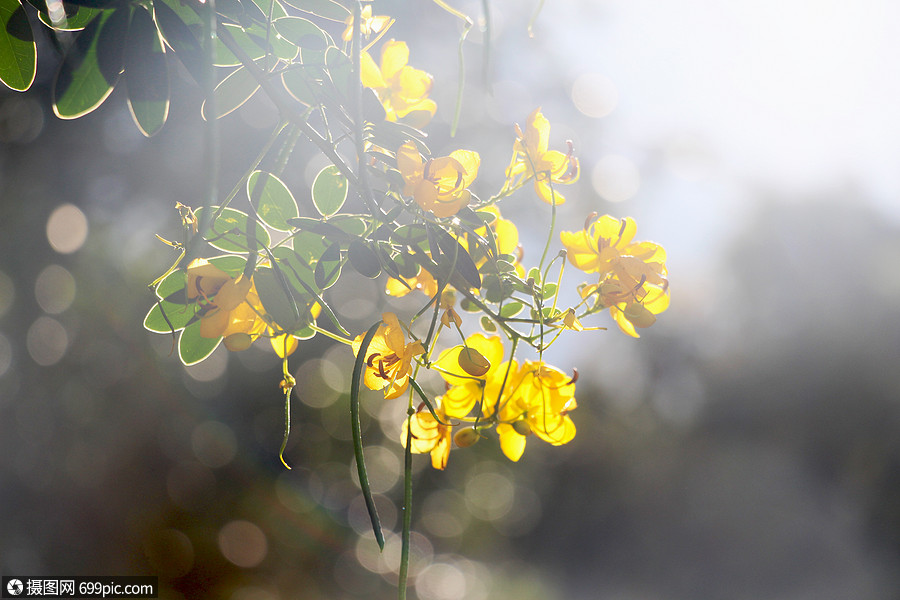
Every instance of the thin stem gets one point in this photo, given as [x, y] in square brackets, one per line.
[407, 509]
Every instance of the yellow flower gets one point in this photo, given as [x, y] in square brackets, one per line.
[544, 396]
[368, 24]
[632, 275]
[423, 280]
[231, 309]
[532, 159]
[402, 89]
[466, 390]
[388, 357]
[429, 435]
[438, 184]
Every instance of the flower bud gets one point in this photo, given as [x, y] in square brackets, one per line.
[473, 362]
[639, 316]
[448, 298]
[522, 427]
[466, 437]
[450, 316]
[238, 341]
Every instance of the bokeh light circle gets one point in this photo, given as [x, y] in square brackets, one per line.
[54, 289]
[243, 543]
[47, 341]
[67, 228]
[594, 95]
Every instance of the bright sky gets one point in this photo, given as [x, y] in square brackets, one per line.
[798, 97]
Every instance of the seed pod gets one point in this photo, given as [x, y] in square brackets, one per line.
[466, 437]
[522, 427]
[473, 362]
[238, 341]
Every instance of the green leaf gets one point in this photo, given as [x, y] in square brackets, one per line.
[173, 282]
[18, 51]
[511, 309]
[309, 246]
[92, 65]
[363, 259]
[488, 325]
[178, 315]
[276, 203]
[77, 21]
[329, 191]
[232, 92]
[175, 25]
[231, 264]
[327, 9]
[146, 76]
[302, 33]
[549, 290]
[328, 268]
[229, 232]
[192, 347]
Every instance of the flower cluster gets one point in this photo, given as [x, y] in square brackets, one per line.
[631, 280]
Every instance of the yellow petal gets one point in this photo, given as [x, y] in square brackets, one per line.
[394, 56]
[284, 344]
[512, 444]
[232, 293]
[214, 323]
[547, 192]
[369, 72]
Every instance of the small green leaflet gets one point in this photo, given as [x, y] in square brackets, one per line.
[232, 92]
[276, 203]
[329, 191]
[192, 347]
[230, 229]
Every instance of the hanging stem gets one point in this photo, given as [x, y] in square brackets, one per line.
[407, 508]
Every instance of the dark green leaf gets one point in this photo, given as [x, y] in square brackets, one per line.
[276, 203]
[178, 35]
[229, 232]
[327, 9]
[146, 77]
[364, 259]
[192, 347]
[278, 298]
[340, 69]
[329, 191]
[233, 92]
[319, 227]
[91, 66]
[301, 86]
[328, 269]
[488, 325]
[18, 51]
[549, 290]
[452, 249]
[302, 33]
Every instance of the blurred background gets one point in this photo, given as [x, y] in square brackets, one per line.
[745, 447]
